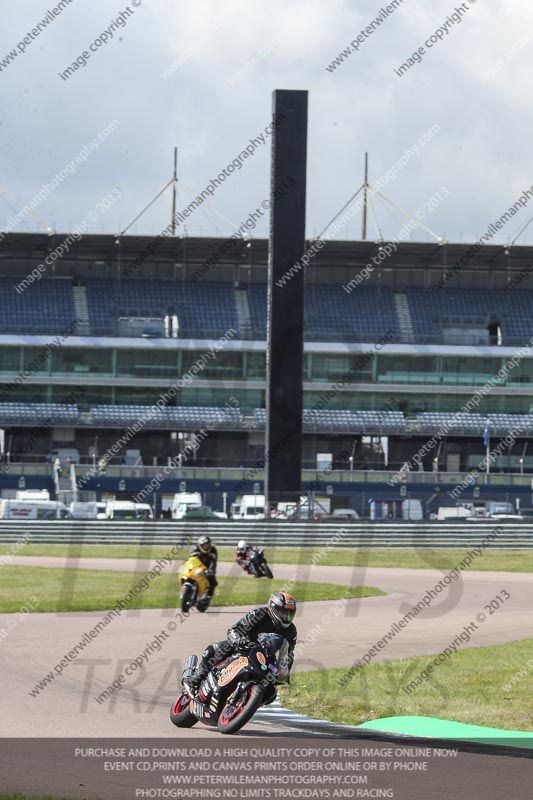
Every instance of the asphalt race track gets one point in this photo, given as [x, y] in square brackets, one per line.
[337, 635]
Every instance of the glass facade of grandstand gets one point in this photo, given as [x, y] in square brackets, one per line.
[417, 382]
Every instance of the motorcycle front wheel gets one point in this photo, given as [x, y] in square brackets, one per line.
[187, 597]
[235, 715]
[180, 716]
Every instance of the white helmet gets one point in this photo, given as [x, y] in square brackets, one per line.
[241, 545]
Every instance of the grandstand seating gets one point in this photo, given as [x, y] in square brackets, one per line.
[353, 421]
[502, 424]
[43, 307]
[38, 414]
[430, 422]
[257, 295]
[334, 315]
[208, 310]
[195, 417]
[214, 418]
[427, 308]
[498, 424]
[186, 417]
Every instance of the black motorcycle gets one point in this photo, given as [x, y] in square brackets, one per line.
[235, 688]
[257, 565]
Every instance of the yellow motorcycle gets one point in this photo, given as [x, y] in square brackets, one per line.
[194, 585]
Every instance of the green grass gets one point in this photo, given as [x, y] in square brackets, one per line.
[27, 797]
[468, 687]
[408, 557]
[92, 590]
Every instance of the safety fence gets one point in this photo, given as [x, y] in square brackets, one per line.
[334, 534]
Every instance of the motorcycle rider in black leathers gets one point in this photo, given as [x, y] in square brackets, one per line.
[206, 551]
[276, 617]
[243, 556]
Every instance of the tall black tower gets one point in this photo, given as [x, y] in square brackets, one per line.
[284, 398]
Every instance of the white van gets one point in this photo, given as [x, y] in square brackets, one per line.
[184, 502]
[248, 506]
[84, 510]
[454, 512]
[320, 507]
[127, 509]
[33, 509]
[347, 514]
[144, 511]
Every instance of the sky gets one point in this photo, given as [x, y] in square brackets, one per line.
[200, 76]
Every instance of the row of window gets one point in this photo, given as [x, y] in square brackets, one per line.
[131, 363]
[380, 368]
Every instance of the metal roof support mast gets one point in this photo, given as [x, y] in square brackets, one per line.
[365, 198]
[174, 184]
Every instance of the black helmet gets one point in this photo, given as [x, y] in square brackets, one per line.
[204, 543]
[282, 608]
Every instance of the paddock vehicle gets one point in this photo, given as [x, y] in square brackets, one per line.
[126, 509]
[454, 512]
[184, 502]
[33, 509]
[248, 506]
[194, 585]
[79, 510]
[236, 687]
[347, 514]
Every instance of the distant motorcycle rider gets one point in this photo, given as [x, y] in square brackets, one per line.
[206, 551]
[276, 617]
[243, 556]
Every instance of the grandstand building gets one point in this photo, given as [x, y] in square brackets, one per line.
[413, 368]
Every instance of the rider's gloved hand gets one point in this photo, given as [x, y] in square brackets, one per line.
[244, 645]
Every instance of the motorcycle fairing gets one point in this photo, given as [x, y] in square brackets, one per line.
[193, 570]
[227, 673]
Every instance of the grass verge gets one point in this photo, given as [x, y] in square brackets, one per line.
[93, 590]
[488, 686]
[408, 557]
[27, 797]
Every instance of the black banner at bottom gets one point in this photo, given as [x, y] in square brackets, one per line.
[263, 767]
